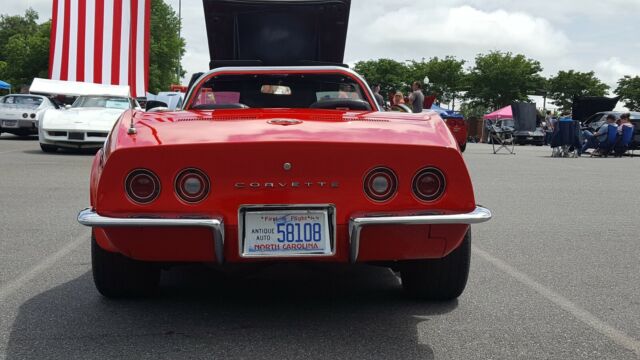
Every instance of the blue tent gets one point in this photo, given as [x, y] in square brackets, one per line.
[446, 113]
[4, 85]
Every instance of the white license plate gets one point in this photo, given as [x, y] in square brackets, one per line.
[282, 233]
[10, 123]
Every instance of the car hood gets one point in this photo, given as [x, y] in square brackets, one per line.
[101, 119]
[252, 126]
[276, 32]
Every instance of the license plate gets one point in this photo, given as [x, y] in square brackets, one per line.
[282, 233]
[10, 123]
[529, 138]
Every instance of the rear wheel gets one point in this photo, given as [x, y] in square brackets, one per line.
[116, 276]
[438, 279]
[463, 147]
[48, 148]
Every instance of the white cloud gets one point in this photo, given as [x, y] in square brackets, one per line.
[466, 27]
[613, 68]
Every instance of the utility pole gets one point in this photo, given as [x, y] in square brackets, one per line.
[179, 36]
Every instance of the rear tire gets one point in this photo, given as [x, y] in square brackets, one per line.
[438, 279]
[48, 148]
[116, 276]
[463, 147]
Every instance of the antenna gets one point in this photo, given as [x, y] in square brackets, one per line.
[132, 130]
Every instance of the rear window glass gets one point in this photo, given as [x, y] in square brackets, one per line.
[302, 90]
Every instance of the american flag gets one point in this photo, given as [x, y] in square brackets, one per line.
[101, 41]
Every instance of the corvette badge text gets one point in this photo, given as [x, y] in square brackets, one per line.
[287, 185]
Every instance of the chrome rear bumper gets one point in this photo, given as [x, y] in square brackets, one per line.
[479, 215]
[89, 217]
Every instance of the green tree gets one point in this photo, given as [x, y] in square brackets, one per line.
[500, 78]
[28, 55]
[390, 74]
[167, 47]
[446, 76]
[567, 85]
[629, 90]
[16, 25]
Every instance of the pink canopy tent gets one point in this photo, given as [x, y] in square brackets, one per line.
[503, 113]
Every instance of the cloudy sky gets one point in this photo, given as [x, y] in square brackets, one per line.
[583, 35]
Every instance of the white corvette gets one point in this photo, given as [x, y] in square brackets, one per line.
[88, 121]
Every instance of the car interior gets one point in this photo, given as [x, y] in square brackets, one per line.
[315, 91]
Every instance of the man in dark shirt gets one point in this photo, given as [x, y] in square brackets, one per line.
[416, 98]
[376, 94]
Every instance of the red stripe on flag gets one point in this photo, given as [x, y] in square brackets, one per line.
[64, 70]
[133, 40]
[82, 24]
[97, 42]
[147, 40]
[52, 42]
[117, 35]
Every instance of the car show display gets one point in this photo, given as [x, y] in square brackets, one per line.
[20, 114]
[88, 121]
[280, 154]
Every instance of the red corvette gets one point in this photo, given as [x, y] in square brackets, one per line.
[278, 163]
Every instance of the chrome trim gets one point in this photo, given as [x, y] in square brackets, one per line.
[267, 69]
[88, 217]
[331, 212]
[479, 215]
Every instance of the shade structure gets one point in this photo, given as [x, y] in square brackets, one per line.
[504, 113]
[4, 85]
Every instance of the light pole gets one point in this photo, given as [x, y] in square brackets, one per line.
[179, 36]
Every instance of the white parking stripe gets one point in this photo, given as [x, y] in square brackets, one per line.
[581, 314]
[12, 286]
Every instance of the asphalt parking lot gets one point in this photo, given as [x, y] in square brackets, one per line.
[555, 275]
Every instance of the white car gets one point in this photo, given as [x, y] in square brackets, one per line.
[85, 124]
[20, 114]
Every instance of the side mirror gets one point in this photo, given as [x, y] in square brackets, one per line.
[151, 104]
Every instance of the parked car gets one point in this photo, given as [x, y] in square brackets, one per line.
[20, 114]
[278, 162]
[595, 121]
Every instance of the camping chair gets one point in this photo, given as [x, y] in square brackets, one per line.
[605, 147]
[503, 138]
[622, 145]
[563, 140]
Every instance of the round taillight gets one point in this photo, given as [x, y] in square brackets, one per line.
[33, 116]
[428, 184]
[142, 186]
[192, 185]
[380, 184]
[25, 115]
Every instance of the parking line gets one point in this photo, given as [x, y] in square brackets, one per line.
[581, 314]
[14, 285]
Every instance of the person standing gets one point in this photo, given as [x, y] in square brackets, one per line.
[377, 96]
[416, 98]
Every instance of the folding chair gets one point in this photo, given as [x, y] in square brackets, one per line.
[604, 148]
[564, 142]
[503, 138]
[622, 145]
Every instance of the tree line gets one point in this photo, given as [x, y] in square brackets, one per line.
[495, 80]
[24, 48]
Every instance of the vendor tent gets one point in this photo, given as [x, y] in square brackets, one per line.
[4, 85]
[504, 113]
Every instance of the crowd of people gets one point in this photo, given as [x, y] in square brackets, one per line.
[415, 99]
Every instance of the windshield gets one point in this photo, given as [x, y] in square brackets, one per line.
[277, 91]
[509, 123]
[109, 102]
[22, 100]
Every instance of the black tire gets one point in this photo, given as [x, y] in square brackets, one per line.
[438, 279]
[48, 148]
[463, 147]
[116, 276]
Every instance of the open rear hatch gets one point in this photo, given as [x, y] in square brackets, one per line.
[276, 32]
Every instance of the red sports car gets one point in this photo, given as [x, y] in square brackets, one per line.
[277, 162]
